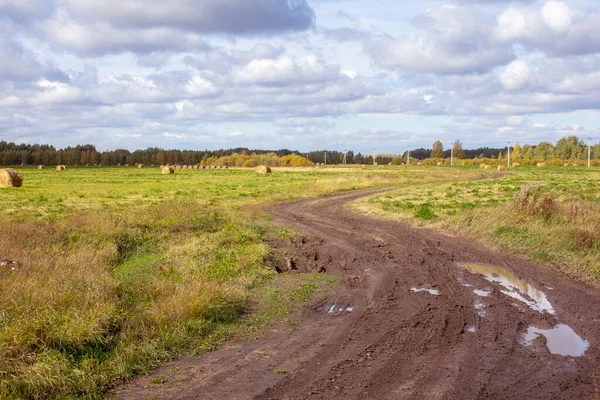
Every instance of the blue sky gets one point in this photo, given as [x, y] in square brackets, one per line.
[298, 74]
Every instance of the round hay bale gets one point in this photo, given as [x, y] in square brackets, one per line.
[487, 167]
[40, 167]
[541, 165]
[439, 163]
[140, 166]
[500, 168]
[482, 165]
[60, 167]
[419, 163]
[167, 170]
[575, 165]
[363, 166]
[10, 178]
[516, 164]
[263, 169]
[566, 165]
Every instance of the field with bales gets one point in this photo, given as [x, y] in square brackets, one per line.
[108, 272]
[547, 214]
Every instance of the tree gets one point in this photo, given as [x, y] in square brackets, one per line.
[517, 152]
[457, 149]
[437, 150]
[571, 148]
[544, 151]
[527, 152]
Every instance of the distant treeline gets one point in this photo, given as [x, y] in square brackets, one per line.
[36, 154]
[567, 148]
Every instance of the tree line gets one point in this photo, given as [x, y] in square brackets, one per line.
[567, 148]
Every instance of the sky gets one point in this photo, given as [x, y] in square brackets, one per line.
[357, 75]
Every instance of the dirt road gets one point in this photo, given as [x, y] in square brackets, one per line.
[408, 323]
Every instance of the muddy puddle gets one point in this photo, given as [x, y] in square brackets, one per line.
[514, 287]
[561, 340]
[433, 292]
[338, 308]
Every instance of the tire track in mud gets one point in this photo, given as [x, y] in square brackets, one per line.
[406, 323]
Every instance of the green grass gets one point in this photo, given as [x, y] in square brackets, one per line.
[565, 230]
[122, 269]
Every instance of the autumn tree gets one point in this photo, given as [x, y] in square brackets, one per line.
[437, 150]
[457, 149]
[517, 152]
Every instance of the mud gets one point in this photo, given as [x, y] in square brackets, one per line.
[397, 343]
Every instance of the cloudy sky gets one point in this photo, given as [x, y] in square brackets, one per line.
[299, 74]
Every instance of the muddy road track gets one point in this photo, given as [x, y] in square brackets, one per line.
[407, 323]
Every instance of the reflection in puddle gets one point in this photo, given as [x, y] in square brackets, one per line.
[338, 309]
[430, 291]
[481, 293]
[480, 307]
[517, 288]
[561, 340]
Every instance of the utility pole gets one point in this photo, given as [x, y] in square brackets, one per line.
[508, 159]
[590, 152]
[345, 151]
[373, 156]
[325, 158]
[451, 155]
[408, 156]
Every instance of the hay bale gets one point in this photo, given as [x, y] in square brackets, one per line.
[575, 165]
[363, 166]
[167, 170]
[60, 167]
[178, 167]
[419, 163]
[40, 167]
[541, 165]
[482, 165]
[439, 163]
[566, 165]
[487, 167]
[140, 166]
[500, 168]
[10, 178]
[263, 169]
[516, 164]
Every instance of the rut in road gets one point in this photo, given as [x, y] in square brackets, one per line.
[408, 322]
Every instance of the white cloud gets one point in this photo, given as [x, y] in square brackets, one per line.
[516, 76]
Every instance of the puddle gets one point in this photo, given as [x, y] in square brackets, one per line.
[481, 293]
[467, 285]
[480, 307]
[338, 309]
[470, 329]
[430, 291]
[516, 288]
[561, 340]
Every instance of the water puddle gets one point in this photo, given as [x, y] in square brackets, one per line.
[339, 309]
[481, 293]
[470, 329]
[516, 288]
[480, 308]
[561, 340]
[430, 291]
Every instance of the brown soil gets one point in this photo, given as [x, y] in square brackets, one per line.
[396, 343]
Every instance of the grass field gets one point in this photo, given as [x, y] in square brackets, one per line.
[121, 269]
[550, 215]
